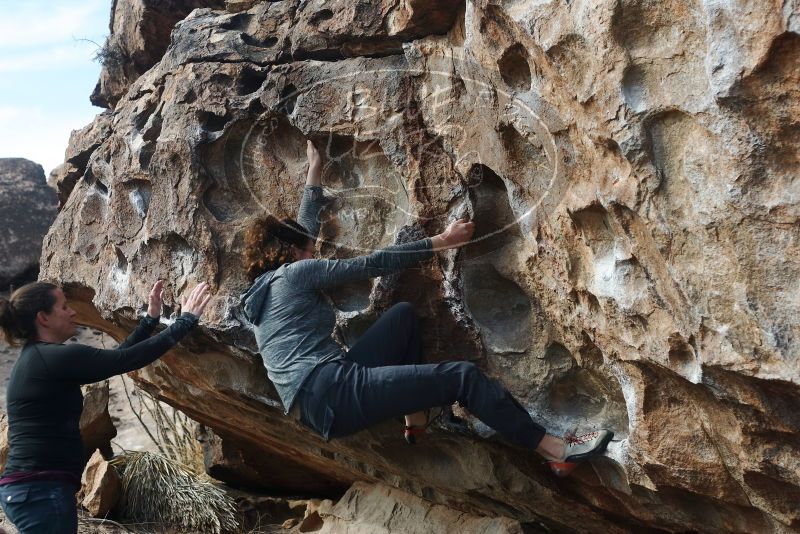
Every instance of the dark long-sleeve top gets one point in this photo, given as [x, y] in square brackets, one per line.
[292, 320]
[44, 399]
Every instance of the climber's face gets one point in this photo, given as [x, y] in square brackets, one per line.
[306, 253]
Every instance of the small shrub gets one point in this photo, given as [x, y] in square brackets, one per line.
[112, 54]
[160, 491]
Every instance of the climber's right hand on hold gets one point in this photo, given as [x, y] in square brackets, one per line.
[457, 234]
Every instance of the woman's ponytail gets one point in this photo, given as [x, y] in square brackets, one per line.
[18, 313]
[268, 244]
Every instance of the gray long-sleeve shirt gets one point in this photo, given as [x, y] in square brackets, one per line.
[292, 320]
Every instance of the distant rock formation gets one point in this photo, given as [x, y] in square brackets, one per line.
[27, 209]
[632, 169]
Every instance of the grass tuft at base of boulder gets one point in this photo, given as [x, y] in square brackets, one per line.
[161, 492]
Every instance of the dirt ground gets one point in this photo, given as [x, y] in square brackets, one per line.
[86, 525]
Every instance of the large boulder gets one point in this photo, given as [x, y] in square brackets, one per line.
[27, 208]
[631, 169]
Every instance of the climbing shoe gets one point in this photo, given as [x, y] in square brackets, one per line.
[581, 448]
[412, 432]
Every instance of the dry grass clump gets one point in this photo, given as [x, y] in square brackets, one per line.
[161, 492]
[169, 490]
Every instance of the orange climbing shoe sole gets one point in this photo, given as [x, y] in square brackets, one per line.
[562, 469]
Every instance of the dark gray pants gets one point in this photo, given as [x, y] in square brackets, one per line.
[381, 378]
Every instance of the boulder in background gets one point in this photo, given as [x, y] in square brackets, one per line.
[27, 209]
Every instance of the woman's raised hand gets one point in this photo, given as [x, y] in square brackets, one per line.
[457, 234]
[155, 300]
[197, 300]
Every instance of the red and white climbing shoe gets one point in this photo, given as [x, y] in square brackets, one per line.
[580, 448]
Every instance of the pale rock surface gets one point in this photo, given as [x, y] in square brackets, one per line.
[101, 486]
[631, 167]
[27, 209]
[382, 509]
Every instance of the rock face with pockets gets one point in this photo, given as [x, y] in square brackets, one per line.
[631, 167]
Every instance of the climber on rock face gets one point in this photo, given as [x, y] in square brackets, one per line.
[336, 392]
[44, 402]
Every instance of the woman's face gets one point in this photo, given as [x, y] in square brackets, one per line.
[58, 321]
[306, 253]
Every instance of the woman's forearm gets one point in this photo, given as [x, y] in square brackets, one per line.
[314, 176]
[438, 242]
[320, 274]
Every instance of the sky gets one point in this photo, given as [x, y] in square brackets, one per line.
[47, 73]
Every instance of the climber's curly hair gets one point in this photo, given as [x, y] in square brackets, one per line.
[268, 244]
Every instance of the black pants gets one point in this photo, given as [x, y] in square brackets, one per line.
[381, 378]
